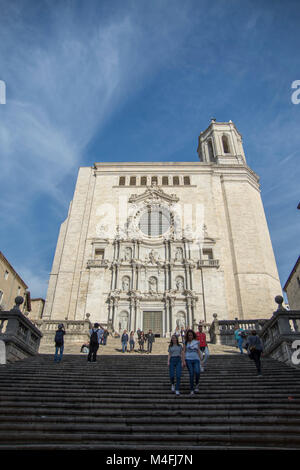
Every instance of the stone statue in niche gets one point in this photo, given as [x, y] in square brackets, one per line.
[179, 284]
[180, 321]
[123, 323]
[125, 283]
[152, 256]
[179, 254]
[128, 254]
[153, 285]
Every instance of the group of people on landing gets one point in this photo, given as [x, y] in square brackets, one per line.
[142, 338]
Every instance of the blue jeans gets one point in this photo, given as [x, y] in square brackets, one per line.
[124, 347]
[193, 366]
[56, 357]
[240, 344]
[131, 345]
[175, 364]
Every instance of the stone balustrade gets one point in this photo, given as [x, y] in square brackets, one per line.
[19, 337]
[77, 331]
[279, 333]
[208, 263]
[222, 331]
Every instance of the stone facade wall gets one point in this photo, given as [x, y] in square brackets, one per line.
[223, 218]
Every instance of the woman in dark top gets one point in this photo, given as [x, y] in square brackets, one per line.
[142, 341]
[255, 349]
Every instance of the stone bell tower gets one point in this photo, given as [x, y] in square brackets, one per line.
[221, 143]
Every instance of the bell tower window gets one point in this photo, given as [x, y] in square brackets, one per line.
[210, 151]
[225, 144]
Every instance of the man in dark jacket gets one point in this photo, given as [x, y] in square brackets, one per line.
[59, 342]
[150, 340]
[94, 343]
[255, 349]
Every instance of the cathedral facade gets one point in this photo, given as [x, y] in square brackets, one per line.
[159, 245]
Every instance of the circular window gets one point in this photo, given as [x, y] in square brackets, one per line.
[155, 222]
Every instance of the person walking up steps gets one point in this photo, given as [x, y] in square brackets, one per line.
[191, 356]
[59, 342]
[255, 349]
[175, 363]
[239, 335]
[94, 343]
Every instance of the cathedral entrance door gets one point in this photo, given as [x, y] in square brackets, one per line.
[153, 321]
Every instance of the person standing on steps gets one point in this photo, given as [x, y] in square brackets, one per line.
[94, 343]
[124, 341]
[101, 334]
[255, 349]
[175, 363]
[191, 356]
[182, 334]
[142, 341]
[105, 335]
[201, 337]
[59, 342]
[239, 335]
[131, 341]
[150, 340]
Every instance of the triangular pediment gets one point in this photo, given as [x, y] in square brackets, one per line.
[153, 194]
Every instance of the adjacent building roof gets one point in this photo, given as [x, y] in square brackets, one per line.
[292, 272]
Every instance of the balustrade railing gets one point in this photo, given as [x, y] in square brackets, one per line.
[208, 263]
[76, 330]
[19, 337]
[222, 331]
[280, 333]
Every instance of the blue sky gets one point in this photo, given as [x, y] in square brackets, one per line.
[139, 80]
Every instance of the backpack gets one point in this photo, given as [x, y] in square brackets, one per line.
[94, 337]
[59, 338]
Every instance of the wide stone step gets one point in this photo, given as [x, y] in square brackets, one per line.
[258, 420]
[222, 438]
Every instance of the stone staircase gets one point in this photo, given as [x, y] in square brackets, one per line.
[124, 402]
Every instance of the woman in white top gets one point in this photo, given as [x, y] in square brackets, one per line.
[191, 356]
[174, 363]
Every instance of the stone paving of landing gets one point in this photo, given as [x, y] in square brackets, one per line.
[114, 347]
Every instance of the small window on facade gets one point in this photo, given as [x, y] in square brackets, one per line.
[144, 181]
[132, 180]
[6, 275]
[225, 144]
[154, 180]
[165, 180]
[207, 254]
[176, 180]
[122, 181]
[186, 180]
[99, 254]
[19, 290]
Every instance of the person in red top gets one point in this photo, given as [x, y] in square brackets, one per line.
[201, 337]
